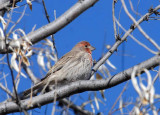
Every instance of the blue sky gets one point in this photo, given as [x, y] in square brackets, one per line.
[95, 26]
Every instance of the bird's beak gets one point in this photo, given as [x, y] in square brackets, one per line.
[92, 48]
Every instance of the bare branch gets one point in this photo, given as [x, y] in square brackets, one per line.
[60, 22]
[138, 26]
[140, 43]
[47, 17]
[78, 87]
[115, 46]
[113, 17]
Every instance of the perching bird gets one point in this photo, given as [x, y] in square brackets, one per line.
[73, 66]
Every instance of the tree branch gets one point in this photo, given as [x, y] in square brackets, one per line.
[115, 46]
[56, 25]
[78, 87]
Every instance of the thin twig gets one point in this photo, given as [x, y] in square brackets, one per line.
[136, 40]
[139, 27]
[54, 103]
[19, 19]
[155, 78]
[52, 36]
[45, 9]
[7, 91]
[5, 81]
[115, 46]
[124, 88]
[130, 2]
[113, 17]
[76, 108]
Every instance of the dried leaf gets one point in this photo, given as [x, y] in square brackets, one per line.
[15, 36]
[24, 58]
[49, 64]
[149, 79]
[121, 105]
[102, 94]
[29, 54]
[53, 58]
[49, 43]
[48, 59]
[100, 69]
[25, 61]
[110, 64]
[30, 4]
[14, 64]
[25, 37]
[137, 111]
[40, 60]
[98, 77]
[92, 106]
[17, 83]
[3, 22]
[96, 102]
[152, 95]
[134, 81]
[2, 34]
[144, 101]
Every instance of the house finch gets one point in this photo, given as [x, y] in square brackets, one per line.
[73, 66]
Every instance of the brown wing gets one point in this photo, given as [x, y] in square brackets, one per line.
[60, 63]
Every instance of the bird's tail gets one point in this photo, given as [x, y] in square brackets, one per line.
[32, 91]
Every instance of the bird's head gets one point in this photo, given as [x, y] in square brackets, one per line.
[84, 46]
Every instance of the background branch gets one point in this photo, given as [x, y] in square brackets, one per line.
[115, 46]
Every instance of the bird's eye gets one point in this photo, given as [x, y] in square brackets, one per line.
[86, 46]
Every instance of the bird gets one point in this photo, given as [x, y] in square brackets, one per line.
[73, 66]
